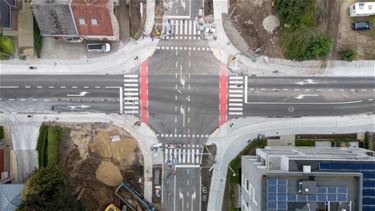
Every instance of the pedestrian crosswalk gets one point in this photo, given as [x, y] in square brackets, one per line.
[236, 95]
[131, 94]
[183, 154]
[182, 29]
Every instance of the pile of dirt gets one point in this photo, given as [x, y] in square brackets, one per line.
[97, 158]
[108, 173]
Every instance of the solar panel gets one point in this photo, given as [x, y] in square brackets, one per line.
[282, 190]
[322, 197]
[271, 189]
[368, 174]
[368, 192]
[342, 189]
[271, 182]
[292, 197]
[272, 205]
[368, 207]
[342, 197]
[282, 206]
[332, 197]
[301, 198]
[368, 183]
[282, 198]
[311, 198]
[332, 190]
[321, 189]
[271, 197]
[282, 182]
[369, 201]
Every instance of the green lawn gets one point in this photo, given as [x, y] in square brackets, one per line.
[48, 145]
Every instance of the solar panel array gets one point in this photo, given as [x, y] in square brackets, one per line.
[278, 197]
[368, 171]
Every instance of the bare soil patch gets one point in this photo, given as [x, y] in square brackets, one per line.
[331, 17]
[247, 17]
[95, 164]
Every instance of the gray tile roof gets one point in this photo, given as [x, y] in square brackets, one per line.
[10, 196]
[4, 14]
[54, 17]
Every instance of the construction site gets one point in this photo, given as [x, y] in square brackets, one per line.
[104, 166]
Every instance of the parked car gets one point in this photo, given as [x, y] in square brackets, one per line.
[361, 25]
[98, 47]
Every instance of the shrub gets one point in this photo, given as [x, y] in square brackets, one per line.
[37, 39]
[47, 189]
[42, 146]
[296, 12]
[319, 47]
[1, 132]
[348, 54]
[304, 143]
[6, 45]
[295, 43]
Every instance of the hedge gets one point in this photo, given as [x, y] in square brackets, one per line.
[1, 132]
[42, 146]
[304, 143]
[53, 136]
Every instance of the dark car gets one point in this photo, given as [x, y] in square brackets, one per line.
[361, 25]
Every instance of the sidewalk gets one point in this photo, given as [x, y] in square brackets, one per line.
[119, 62]
[144, 136]
[230, 141]
[224, 50]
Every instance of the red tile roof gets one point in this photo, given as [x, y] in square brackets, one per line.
[92, 9]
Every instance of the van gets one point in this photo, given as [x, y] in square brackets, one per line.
[361, 25]
[98, 47]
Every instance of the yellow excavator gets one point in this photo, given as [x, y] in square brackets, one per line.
[112, 207]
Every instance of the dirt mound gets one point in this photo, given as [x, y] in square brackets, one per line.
[108, 173]
[98, 157]
[270, 23]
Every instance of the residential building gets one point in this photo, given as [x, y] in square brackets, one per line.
[308, 178]
[74, 20]
[8, 14]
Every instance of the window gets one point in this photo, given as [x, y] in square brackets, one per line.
[247, 184]
[94, 21]
[82, 21]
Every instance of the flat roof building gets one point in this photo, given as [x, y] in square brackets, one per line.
[307, 178]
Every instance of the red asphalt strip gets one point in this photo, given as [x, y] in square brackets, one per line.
[143, 71]
[223, 94]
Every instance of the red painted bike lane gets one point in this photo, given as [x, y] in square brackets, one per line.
[143, 72]
[223, 96]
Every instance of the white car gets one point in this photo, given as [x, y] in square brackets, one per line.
[98, 47]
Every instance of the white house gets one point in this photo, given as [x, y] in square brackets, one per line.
[362, 9]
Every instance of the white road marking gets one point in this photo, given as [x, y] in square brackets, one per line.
[27, 87]
[306, 103]
[9, 87]
[235, 113]
[39, 87]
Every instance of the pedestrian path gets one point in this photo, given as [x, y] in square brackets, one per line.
[182, 29]
[188, 155]
[236, 95]
[131, 94]
[183, 48]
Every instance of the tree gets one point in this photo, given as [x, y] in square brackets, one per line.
[348, 54]
[47, 189]
[319, 47]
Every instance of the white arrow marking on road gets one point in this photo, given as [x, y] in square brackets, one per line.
[182, 111]
[306, 95]
[307, 81]
[81, 94]
[81, 106]
[193, 196]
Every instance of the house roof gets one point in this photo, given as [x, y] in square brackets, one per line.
[92, 9]
[5, 13]
[10, 196]
[54, 17]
